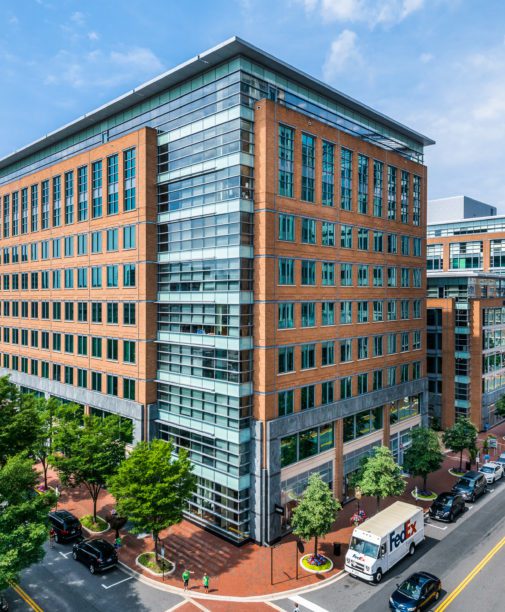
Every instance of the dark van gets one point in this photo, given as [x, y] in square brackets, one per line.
[471, 485]
[66, 526]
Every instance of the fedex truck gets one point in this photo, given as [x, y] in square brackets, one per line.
[381, 541]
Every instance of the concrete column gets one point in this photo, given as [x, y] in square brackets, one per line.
[87, 410]
[338, 476]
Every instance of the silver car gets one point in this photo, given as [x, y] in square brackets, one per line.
[493, 471]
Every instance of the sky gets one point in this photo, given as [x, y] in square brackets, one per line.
[437, 66]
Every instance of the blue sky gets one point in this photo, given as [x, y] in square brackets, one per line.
[436, 65]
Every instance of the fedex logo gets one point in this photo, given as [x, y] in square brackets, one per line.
[395, 539]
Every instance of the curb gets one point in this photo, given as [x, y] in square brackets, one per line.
[247, 599]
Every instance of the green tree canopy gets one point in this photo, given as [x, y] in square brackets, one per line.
[23, 518]
[42, 447]
[499, 407]
[316, 511]
[379, 476]
[462, 435]
[19, 422]
[152, 487]
[424, 456]
[89, 451]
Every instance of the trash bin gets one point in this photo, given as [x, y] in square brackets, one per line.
[468, 466]
[336, 549]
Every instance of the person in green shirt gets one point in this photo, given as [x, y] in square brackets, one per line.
[206, 582]
[185, 578]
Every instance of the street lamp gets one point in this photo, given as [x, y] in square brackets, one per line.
[357, 495]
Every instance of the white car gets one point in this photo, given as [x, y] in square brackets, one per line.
[492, 470]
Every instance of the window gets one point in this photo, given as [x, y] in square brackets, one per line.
[308, 231]
[15, 213]
[69, 343]
[417, 247]
[128, 351]
[128, 388]
[416, 340]
[57, 248]
[392, 311]
[363, 348]
[404, 342]
[96, 242]
[404, 373]
[346, 350]
[112, 240]
[346, 236]
[345, 387]
[328, 273]
[56, 279]
[82, 345]
[286, 316]
[405, 277]
[362, 275]
[286, 359]
[328, 313]
[362, 312]
[363, 239]
[362, 184]
[112, 385]
[363, 423]
[346, 275]
[57, 311]
[345, 312]
[56, 372]
[308, 314]
[24, 210]
[328, 234]
[307, 397]
[308, 272]
[129, 317]
[69, 197]
[416, 309]
[416, 200]
[69, 278]
[112, 276]
[391, 193]
[82, 193]
[391, 344]
[112, 349]
[82, 312]
[45, 204]
[112, 311]
[392, 282]
[405, 242]
[416, 370]
[129, 275]
[416, 277]
[287, 227]
[362, 384]
[328, 175]
[69, 246]
[96, 185]
[82, 278]
[286, 271]
[96, 347]
[96, 381]
[327, 393]
[392, 243]
[377, 346]
[327, 353]
[82, 244]
[96, 312]
[308, 167]
[96, 277]
[82, 378]
[129, 179]
[285, 402]
[286, 160]
[404, 309]
[346, 179]
[112, 186]
[378, 276]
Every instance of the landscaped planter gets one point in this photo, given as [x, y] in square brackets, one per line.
[316, 569]
[454, 472]
[92, 531]
[423, 495]
[150, 555]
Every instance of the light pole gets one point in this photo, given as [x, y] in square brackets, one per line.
[357, 495]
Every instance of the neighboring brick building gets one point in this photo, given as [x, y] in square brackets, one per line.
[466, 317]
[287, 277]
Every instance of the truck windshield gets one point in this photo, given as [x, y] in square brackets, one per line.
[364, 548]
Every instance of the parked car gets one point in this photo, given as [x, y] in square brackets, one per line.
[420, 590]
[492, 471]
[447, 506]
[66, 526]
[97, 554]
[471, 485]
[4, 606]
[501, 460]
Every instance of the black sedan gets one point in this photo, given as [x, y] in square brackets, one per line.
[97, 555]
[418, 592]
[447, 507]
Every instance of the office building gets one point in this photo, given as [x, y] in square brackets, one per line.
[233, 256]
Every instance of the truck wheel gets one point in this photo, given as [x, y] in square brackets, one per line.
[412, 549]
[378, 576]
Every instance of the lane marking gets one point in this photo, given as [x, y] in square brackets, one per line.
[436, 526]
[199, 605]
[272, 605]
[110, 586]
[466, 581]
[307, 604]
[34, 606]
[178, 605]
[65, 555]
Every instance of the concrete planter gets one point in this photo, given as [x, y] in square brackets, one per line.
[152, 572]
[316, 571]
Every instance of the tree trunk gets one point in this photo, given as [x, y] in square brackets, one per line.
[156, 538]
[44, 467]
[95, 498]
[425, 480]
[315, 545]
[378, 503]
[461, 460]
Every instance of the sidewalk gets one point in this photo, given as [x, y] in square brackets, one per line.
[245, 571]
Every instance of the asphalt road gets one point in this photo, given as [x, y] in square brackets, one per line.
[450, 551]
[60, 584]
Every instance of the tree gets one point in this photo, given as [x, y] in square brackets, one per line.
[316, 511]
[379, 476]
[42, 448]
[23, 518]
[462, 435]
[90, 451]
[424, 456]
[499, 407]
[152, 487]
[18, 420]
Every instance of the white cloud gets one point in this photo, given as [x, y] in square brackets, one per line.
[93, 35]
[78, 18]
[343, 51]
[371, 12]
[102, 69]
[426, 58]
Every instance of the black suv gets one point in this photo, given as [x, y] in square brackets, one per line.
[66, 526]
[471, 485]
[98, 554]
[447, 506]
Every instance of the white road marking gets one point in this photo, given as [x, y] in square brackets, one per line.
[272, 605]
[109, 586]
[178, 605]
[469, 507]
[436, 526]
[199, 605]
[307, 604]
[490, 490]
[65, 555]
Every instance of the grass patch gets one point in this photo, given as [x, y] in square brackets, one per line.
[316, 568]
[149, 560]
[88, 522]
[424, 496]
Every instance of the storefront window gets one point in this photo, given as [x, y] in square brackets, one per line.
[308, 444]
[404, 409]
[326, 440]
[288, 450]
[363, 423]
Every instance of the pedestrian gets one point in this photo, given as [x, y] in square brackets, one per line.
[206, 582]
[52, 537]
[117, 543]
[296, 608]
[185, 578]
